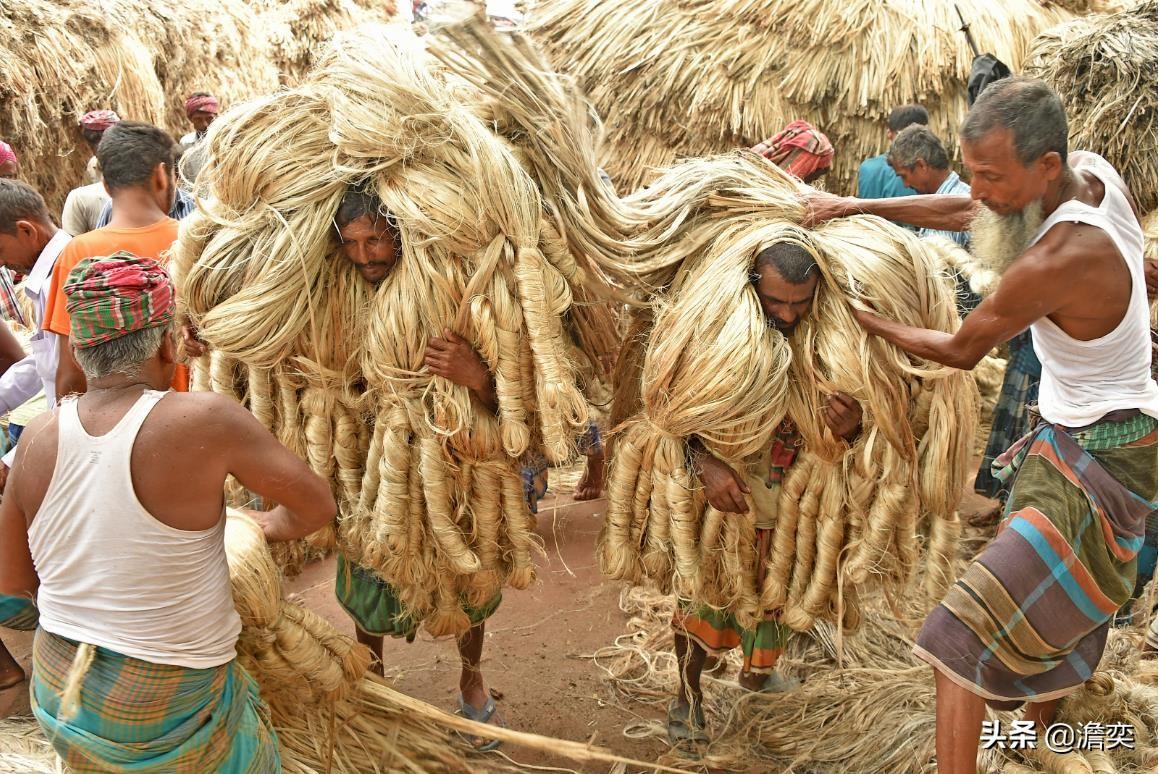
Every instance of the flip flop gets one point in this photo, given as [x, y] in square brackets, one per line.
[684, 725]
[483, 715]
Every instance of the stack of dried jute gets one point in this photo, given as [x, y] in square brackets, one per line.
[428, 482]
[712, 367]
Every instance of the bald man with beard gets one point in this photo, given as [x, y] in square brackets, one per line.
[1028, 620]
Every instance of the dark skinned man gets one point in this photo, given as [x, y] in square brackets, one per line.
[786, 279]
[1028, 621]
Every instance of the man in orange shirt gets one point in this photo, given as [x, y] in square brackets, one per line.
[138, 162]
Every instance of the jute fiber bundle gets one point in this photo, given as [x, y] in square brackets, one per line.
[675, 79]
[428, 481]
[848, 515]
[1105, 68]
[298, 30]
[63, 58]
[865, 703]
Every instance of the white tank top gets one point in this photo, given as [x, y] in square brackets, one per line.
[111, 574]
[1082, 381]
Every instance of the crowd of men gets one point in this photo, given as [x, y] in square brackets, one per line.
[1077, 471]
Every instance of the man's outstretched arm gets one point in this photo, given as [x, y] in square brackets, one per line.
[945, 212]
[1036, 285]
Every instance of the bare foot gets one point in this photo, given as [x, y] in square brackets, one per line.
[10, 672]
[590, 486]
[986, 518]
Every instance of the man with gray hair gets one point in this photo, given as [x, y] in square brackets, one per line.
[112, 545]
[1028, 620]
[919, 158]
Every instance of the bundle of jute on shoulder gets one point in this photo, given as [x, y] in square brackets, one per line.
[1105, 69]
[674, 78]
[848, 515]
[428, 481]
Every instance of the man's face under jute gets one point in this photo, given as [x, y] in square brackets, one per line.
[784, 303]
[370, 245]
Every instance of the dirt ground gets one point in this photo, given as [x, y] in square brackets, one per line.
[538, 644]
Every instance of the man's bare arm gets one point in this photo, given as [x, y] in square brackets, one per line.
[945, 212]
[69, 376]
[1032, 288]
[17, 572]
[266, 468]
[11, 352]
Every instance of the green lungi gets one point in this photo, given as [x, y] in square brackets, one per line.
[376, 609]
[1028, 620]
[136, 716]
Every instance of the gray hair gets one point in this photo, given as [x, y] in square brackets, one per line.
[124, 355]
[1028, 108]
[918, 143]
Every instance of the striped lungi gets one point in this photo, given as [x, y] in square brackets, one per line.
[1011, 416]
[1028, 620]
[136, 716]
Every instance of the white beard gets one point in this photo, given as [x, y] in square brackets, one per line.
[997, 240]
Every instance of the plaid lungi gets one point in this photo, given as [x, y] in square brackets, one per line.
[374, 605]
[1011, 416]
[136, 716]
[1028, 620]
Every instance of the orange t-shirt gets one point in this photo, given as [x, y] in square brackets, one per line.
[149, 242]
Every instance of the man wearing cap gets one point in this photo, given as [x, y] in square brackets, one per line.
[800, 149]
[83, 206]
[116, 573]
[201, 108]
[9, 164]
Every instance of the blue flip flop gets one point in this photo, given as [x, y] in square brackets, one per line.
[483, 715]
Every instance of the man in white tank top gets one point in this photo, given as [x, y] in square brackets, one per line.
[112, 542]
[1028, 621]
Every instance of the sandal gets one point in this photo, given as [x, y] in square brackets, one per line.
[684, 725]
[483, 715]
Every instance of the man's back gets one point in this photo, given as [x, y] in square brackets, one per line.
[877, 180]
[97, 486]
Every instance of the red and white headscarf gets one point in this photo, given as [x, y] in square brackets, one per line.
[99, 120]
[204, 102]
[801, 150]
[7, 154]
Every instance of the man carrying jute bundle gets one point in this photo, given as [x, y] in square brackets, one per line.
[134, 662]
[1028, 621]
[786, 279]
[371, 243]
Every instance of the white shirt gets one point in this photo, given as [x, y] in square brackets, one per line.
[1082, 381]
[37, 371]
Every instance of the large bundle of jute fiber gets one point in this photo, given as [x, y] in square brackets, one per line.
[1105, 68]
[297, 30]
[428, 482]
[674, 78]
[63, 58]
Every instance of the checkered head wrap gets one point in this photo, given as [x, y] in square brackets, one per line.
[110, 297]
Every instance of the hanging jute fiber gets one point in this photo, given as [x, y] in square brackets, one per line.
[428, 482]
[674, 79]
[688, 244]
[1105, 68]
